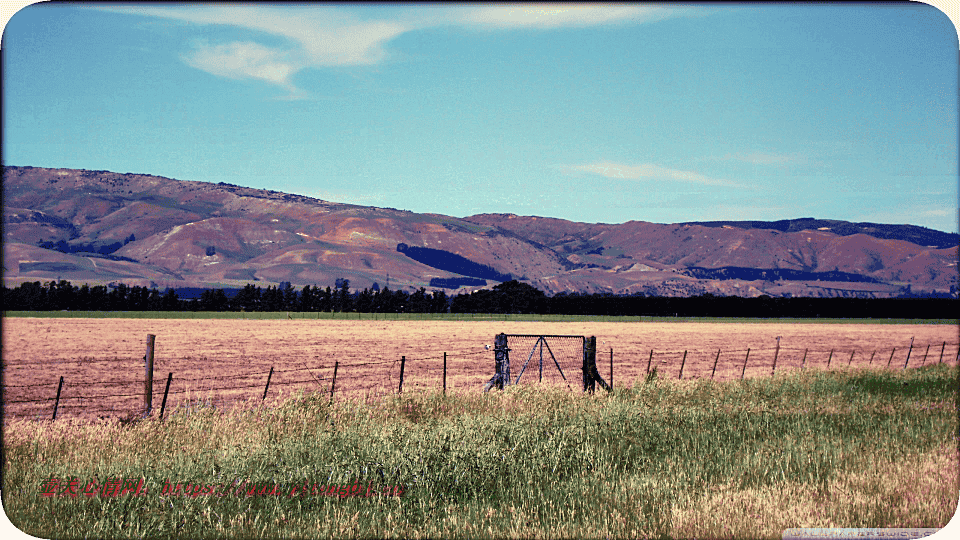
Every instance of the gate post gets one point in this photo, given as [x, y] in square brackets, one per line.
[590, 374]
[501, 356]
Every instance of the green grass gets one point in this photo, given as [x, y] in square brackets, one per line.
[671, 459]
[326, 315]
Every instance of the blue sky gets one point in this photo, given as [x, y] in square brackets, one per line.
[598, 114]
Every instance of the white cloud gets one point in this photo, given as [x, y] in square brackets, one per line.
[646, 171]
[322, 36]
[317, 37]
[246, 60]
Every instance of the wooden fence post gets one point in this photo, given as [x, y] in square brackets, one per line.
[829, 358]
[403, 362]
[775, 355]
[925, 356]
[908, 354]
[333, 383]
[942, 348]
[444, 373]
[587, 376]
[871, 357]
[163, 404]
[742, 373]
[682, 362]
[804, 361]
[891, 356]
[501, 359]
[148, 375]
[506, 360]
[849, 362]
[650, 360]
[56, 404]
[591, 376]
[715, 364]
[267, 387]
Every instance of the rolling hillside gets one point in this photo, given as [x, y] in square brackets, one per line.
[102, 227]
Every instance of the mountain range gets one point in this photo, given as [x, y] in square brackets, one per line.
[104, 227]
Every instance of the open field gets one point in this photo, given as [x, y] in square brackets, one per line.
[864, 447]
[219, 361]
[460, 317]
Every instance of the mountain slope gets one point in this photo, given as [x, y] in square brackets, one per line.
[153, 230]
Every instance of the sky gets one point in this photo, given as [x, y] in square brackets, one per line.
[592, 113]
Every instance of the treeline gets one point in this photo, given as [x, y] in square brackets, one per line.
[507, 297]
[62, 295]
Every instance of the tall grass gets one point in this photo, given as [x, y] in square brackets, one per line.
[678, 459]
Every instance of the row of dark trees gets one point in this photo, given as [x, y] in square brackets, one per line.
[62, 295]
[507, 297]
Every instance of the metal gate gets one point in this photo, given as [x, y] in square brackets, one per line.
[540, 358]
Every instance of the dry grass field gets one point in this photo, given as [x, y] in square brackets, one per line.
[228, 361]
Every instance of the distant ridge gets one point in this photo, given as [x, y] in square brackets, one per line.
[99, 227]
[914, 234]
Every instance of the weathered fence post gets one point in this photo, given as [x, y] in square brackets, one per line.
[403, 362]
[908, 354]
[650, 360]
[776, 353]
[506, 360]
[590, 374]
[742, 373]
[829, 358]
[163, 404]
[891, 356]
[849, 362]
[333, 383]
[874, 353]
[444, 373]
[942, 348]
[682, 362]
[925, 356]
[501, 358]
[56, 403]
[804, 361]
[587, 352]
[148, 375]
[267, 387]
[715, 364]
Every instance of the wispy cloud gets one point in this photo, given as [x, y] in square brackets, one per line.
[238, 60]
[315, 37]
[321, 36]
[646, 171]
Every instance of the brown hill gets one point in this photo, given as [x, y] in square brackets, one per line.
[101, 227]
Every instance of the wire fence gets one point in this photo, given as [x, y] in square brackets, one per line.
[114, 387]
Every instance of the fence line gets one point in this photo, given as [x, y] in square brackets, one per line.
[437, 368]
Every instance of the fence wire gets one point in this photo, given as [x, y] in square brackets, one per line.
[533, 359]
